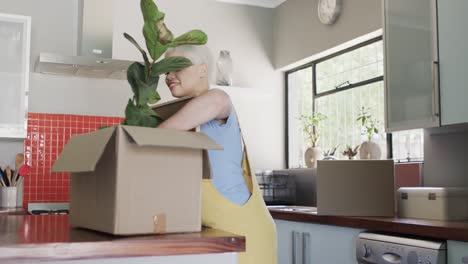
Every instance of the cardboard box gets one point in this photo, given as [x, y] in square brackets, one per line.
[355, 187]
[134, 180]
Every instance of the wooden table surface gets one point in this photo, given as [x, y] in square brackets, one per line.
[445, 230]
[12, 211]
[49, 237]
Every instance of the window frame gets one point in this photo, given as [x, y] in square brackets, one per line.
[315, 95]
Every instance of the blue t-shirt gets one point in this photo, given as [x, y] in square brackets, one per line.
[226, 164]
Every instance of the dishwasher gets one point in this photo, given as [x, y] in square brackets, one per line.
[377, 248]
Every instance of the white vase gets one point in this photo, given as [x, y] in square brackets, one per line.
[370, 150]
[224, 69]
[311, 156]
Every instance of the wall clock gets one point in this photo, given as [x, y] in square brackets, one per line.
[329, 10]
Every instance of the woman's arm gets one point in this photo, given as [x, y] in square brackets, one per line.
[213, 104]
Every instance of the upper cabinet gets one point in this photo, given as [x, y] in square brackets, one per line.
[453, 53]
[411, 60]
[426, 76]
[15, 34]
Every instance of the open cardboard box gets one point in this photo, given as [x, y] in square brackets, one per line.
[133, 180]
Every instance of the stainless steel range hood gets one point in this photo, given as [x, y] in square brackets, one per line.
[94, 48]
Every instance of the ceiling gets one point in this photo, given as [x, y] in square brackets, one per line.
[261, 3]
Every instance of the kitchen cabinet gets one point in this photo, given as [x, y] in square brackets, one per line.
[15, 32]
[289, 242]
[411, 64]
[453, 41]
[425, 56]
[304, 243]
[457, 252]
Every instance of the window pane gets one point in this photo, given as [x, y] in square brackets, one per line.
[299, 103]
[342, 108]
[352, 67]
[408, 145]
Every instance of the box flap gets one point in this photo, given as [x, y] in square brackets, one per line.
[82, 152]
[167, 109]
[170, 138]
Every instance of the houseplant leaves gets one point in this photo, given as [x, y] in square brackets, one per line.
[144, 78]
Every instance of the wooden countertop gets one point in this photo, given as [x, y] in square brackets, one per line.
[49, 237]
[12, 211]
[445, 230]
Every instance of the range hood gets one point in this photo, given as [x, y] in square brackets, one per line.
[93, 57]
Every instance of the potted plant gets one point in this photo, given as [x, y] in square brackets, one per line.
[351, 152]
[369, 149]
[330, 154]
[144, 77]
[310, 124]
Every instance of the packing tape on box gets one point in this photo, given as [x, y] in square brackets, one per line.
[159, 223]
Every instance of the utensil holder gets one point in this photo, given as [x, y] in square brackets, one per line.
[19, 194]
[8, 197]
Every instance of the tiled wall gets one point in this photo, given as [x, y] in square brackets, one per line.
[47, 134]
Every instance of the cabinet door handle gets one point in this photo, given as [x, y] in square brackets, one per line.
[435, 89]
[305, 248]
[296, 247]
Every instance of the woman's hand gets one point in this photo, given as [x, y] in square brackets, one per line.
[213, 104]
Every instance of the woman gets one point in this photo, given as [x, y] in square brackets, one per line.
[231, 200]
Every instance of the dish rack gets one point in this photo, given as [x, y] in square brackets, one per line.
[278, 188]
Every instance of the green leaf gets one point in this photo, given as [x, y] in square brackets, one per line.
[376, 130]
[151, 36]
[194, 37]
[165, 35]
[144, 90]
[154, 98]
[152, 17]
[170, 64]
[143, 52]
[150, 11]
[142, 116]
[135, 72]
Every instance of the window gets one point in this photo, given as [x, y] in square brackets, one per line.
[338, 86]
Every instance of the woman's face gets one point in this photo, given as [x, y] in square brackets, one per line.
[190, 81]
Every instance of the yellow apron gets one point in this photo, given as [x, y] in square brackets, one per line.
[251, 220]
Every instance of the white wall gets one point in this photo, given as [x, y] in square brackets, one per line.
[299, 33]
[446, 156]
[248, 33]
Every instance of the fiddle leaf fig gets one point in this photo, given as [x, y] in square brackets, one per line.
[144, 79]
[142, 116]
[170, 64]
[194, 37]
[144, 90]
[143, 52]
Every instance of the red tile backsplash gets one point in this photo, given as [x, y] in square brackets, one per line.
[47, 134]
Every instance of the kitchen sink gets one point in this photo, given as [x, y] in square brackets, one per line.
[290, 208]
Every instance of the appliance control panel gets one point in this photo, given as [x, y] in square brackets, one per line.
[373, 248]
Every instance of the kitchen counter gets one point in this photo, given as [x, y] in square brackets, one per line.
[49, 237]
[446, 230]
[12, 211]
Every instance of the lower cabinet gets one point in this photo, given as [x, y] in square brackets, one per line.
[304, 243]
[457, 252]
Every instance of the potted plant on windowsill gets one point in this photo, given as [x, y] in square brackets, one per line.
[369, 149]
[310, 126]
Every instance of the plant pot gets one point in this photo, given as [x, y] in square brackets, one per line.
[370, 150]
[311, 156]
